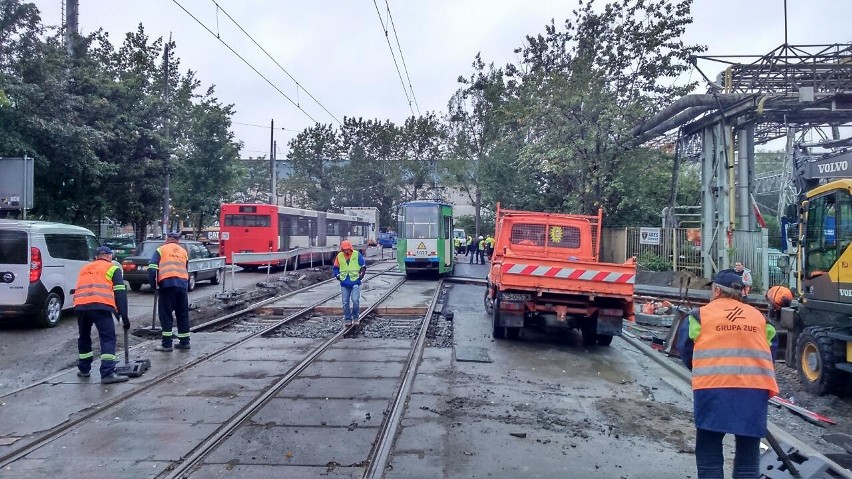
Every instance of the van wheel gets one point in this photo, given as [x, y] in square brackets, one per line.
[52, 311]
[217, 278]
[513, 333]
[191, 282]
[135, 286]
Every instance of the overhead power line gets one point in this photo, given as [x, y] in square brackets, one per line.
[399, 47]
[393, 55]
[262, 126]
[245, 61]
[298, 85]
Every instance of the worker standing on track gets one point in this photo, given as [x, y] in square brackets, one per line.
[168, 274]
[729, 347]
[469, 247]
[99, 293]
[349, 269]
[489, 246]
[480, 250]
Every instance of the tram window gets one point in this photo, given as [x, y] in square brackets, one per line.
[421, 222]
[248, 220]
[303, 226]
[332, 228]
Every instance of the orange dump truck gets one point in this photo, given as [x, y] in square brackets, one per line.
[545, 272]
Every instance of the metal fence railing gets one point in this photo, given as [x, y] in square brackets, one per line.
[680, 249]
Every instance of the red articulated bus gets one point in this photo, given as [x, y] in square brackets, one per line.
[262, 228]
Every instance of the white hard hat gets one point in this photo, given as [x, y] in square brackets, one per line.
[481, 237]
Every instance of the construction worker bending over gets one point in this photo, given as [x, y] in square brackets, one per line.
[776, 298]
[729, 347]
[349, 269]
[99, 294]
[168, 275]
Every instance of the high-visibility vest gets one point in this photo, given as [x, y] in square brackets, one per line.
[469, 241]
[349, 268]
[490, 241]
[482, 245]
[778, 295]
[173, 260]
[94, 284]
[732, 349]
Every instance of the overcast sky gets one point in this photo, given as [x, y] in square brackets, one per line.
[338, 52]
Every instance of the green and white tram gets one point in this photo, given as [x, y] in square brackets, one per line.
[425, 238]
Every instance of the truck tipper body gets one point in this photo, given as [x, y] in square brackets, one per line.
[546, 272]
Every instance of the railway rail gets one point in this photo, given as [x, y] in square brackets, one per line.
[24, 445]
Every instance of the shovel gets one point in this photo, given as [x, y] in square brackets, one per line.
[154, 330]
[134, 369]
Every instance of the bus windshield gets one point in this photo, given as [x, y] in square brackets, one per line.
[421, 222]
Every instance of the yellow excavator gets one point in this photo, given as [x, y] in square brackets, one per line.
[819, 322]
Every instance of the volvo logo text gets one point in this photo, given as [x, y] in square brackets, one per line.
[833, 167]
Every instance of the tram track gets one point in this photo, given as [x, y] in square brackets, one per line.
[45, 437]
[392, 415]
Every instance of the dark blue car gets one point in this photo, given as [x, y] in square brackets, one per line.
[387, 240]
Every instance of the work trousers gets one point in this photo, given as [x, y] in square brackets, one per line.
[174, 299]
[710, 460]
[351, 294]
[103, 322]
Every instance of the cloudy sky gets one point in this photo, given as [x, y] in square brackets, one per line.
[337, 50]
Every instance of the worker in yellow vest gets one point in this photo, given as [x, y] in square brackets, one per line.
[349, 269]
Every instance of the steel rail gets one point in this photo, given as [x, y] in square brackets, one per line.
[58, 431]
[225, 431]
[379, 455]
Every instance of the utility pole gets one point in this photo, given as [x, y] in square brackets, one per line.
[71, 14]
[166, 193]
[273, 197]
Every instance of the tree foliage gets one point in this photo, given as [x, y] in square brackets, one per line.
[99, 127]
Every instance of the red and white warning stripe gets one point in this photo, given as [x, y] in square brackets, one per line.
[569, 273]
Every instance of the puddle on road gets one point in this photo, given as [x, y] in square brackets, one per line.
[614, 373]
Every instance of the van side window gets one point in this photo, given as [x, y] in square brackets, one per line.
[92, 245]
[13, 247]
[68, 246]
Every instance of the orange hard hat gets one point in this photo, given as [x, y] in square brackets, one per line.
[345, 245]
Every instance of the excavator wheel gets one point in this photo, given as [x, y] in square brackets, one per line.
[815, 361]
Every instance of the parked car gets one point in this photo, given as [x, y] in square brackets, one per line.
[203, 265]
[387, 240]
[39, 264]
[121, 247]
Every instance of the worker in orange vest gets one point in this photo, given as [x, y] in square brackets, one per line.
[99, 294]
[168, 274]
[778, 297]
[729, 347]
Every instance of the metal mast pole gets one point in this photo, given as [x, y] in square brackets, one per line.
[71, 24]
[166, 188]
[273, 193]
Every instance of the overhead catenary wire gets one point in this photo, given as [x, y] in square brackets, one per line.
[245, 61]
[393, 55]
[298, 85]
[401, 56]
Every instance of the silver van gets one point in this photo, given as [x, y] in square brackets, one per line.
[39, 264]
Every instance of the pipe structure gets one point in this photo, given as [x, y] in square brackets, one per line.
[685, 102]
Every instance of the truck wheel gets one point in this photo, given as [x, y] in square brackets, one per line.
[489, 303]
[815, 359]
[497, 332]
[135, 286]
[217, 278]
[191, 282]
[51, 311]
[604, 339]
[589, 330]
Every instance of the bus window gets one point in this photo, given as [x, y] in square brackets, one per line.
[248, 220]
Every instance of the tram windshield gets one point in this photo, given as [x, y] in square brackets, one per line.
[421, 222]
